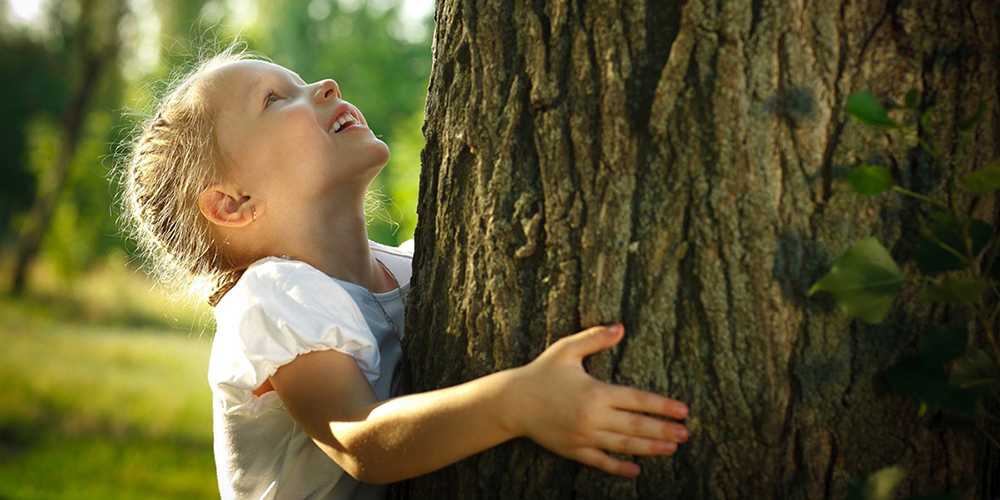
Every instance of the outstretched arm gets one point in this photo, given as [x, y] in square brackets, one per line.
[551, 400]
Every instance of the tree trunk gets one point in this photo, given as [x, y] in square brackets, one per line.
[674, 166]
[92, 67]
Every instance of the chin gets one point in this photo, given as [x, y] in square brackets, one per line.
[374, 161]
[385, 152]
[378, 159]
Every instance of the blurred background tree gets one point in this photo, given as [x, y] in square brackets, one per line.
[68, 86]
[102, 380]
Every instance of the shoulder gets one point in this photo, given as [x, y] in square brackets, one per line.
[292, 293]
[277, 310]
[274, 277]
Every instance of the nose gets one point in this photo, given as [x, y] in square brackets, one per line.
[327, 89]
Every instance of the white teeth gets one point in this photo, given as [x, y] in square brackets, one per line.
[339, 123]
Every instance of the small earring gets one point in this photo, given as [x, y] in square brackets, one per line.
[253, 211]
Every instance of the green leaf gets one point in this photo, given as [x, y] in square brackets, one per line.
[981, 233]
[983, 181]
[978, 372]
[925, 119]
[954, 290]
[967, 123]
[911, 99]
[931, 258]
[870, 180]
[864, 281]
[943, 217]
[940, 344]
[866, 109]
[878, 485]
[928, 387]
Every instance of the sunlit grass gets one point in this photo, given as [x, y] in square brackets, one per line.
[113, 292]
[103, 403]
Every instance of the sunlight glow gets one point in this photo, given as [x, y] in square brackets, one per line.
[242, 13]
[418, 9]
[409, 24]
[26, 11]
[140, 30]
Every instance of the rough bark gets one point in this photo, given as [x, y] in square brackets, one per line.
[674, 165]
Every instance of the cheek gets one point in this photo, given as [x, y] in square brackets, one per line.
[301, 122]
[301, 138]
[289, 141]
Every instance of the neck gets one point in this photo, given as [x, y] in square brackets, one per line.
[332, 237]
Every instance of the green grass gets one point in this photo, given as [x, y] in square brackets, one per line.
[111, 293]
[103, 407]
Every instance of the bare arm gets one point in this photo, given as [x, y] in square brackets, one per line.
[551, 400]
[382, 442]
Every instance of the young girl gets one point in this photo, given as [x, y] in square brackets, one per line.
[254, 181]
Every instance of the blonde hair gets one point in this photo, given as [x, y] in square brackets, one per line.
[171, 157]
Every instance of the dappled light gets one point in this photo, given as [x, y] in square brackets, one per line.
[104, 392]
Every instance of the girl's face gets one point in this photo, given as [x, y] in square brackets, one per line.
[276, 133]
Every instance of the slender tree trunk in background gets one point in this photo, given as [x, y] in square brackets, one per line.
[41, 210]
[674, 166]
[91, 69]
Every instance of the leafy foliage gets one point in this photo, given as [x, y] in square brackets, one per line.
[954, 290]
[864, 281]
[33, 79]
[942, 242]
[977, 372]
[983, 181]
[381, 63]
[940, 344]
[870, 180]
[866, 109]
[928, 387]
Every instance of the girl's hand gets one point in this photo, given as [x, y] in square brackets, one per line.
[559, 406]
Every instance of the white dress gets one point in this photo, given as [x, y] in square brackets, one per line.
[279, 309]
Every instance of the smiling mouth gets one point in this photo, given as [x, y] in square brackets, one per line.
[344, 121]
[350, 125]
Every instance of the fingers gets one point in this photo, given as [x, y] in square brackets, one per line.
[592, 340]
[632, 445]
[600, 460]
[631, 399]
[641, 426]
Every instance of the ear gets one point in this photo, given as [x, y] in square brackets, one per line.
[224, 206]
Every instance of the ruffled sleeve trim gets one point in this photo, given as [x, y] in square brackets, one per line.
[278, 310]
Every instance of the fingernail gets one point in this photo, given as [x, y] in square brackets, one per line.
[614, 329]
[683, 436]
[682, 411]
[669, 447]
[634, 470]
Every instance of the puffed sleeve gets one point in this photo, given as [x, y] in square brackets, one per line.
[278, 310]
